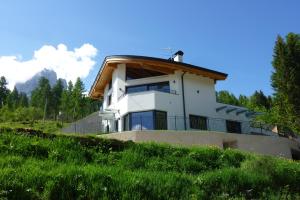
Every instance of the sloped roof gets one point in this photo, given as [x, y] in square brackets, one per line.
[159, 64]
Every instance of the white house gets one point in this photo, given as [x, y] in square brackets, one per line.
[146, 93]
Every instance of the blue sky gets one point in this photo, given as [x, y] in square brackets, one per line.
[235, 37]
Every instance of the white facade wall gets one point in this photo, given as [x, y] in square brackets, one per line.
[200, 99]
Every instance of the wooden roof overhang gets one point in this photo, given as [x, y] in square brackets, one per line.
[155, 64]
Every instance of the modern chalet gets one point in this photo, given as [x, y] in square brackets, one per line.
[146, 93]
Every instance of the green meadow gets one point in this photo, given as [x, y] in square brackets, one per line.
[38, 165]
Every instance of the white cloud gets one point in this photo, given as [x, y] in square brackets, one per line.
[66, 63]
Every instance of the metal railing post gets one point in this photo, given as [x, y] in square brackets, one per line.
[208, 124]
[175, 123]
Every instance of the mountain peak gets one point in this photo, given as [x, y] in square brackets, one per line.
[29, 85]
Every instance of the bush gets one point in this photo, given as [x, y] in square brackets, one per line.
[232, 182]
[285, 174]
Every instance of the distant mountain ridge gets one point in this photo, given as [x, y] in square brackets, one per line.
[28, 86]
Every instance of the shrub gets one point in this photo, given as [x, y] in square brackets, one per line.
[285, 174]
[232, 182]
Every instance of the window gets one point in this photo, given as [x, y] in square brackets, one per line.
[162, 87]
[109, 100]
[138, 72]
[161, 120]
[198, 122]
[142, 120]
[145, 120]
[233, 126]
[126, 123]
[134, 89]
[110, 84]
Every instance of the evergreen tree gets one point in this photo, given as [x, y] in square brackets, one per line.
[13, 99]
[243, 101]
[91, 105]
[57, 91]
[41, 96]
[78, 99]
[259, 100]
[286, 81]
[67, 103]
[227, 98]
[23, 100]
[4, 91]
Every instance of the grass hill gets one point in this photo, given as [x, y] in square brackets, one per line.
[37, 165]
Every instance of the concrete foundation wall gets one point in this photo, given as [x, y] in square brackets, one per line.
[267, 145]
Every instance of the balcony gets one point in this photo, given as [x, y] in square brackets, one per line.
[150, 100]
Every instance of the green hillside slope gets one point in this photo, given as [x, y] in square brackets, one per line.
[34, 165]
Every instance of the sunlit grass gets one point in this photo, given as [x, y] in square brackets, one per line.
[47, 166]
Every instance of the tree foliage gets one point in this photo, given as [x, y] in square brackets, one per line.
[56, 92]
[78, 99]
[46, 102]
[257, 101]
[286, 81]
[227, 98]
[4, 91]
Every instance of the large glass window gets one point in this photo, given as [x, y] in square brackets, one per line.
[161, 120]
[146, 120]
[162, 87]
[233, 126]
[142, 120]
[134, 89]
[198, 122]
[126, 122]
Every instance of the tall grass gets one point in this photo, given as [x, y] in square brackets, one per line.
[48, 126]
[46, 166]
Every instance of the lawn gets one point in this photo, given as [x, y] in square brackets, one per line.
[37, 165]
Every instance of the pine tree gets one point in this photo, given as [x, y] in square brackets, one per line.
[227, 98]
[4, 91]
[57, 91]
[67, 103]
[41, 96]
[23, 100]
[286, 81]
[243, 101]
[259, 100]
[78, 99]
[13, 99]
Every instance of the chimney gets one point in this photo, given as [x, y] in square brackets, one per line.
[178, 56]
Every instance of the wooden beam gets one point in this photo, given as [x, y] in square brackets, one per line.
[174, 66]
[151, 67]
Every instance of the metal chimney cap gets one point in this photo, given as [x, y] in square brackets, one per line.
[179, 53]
